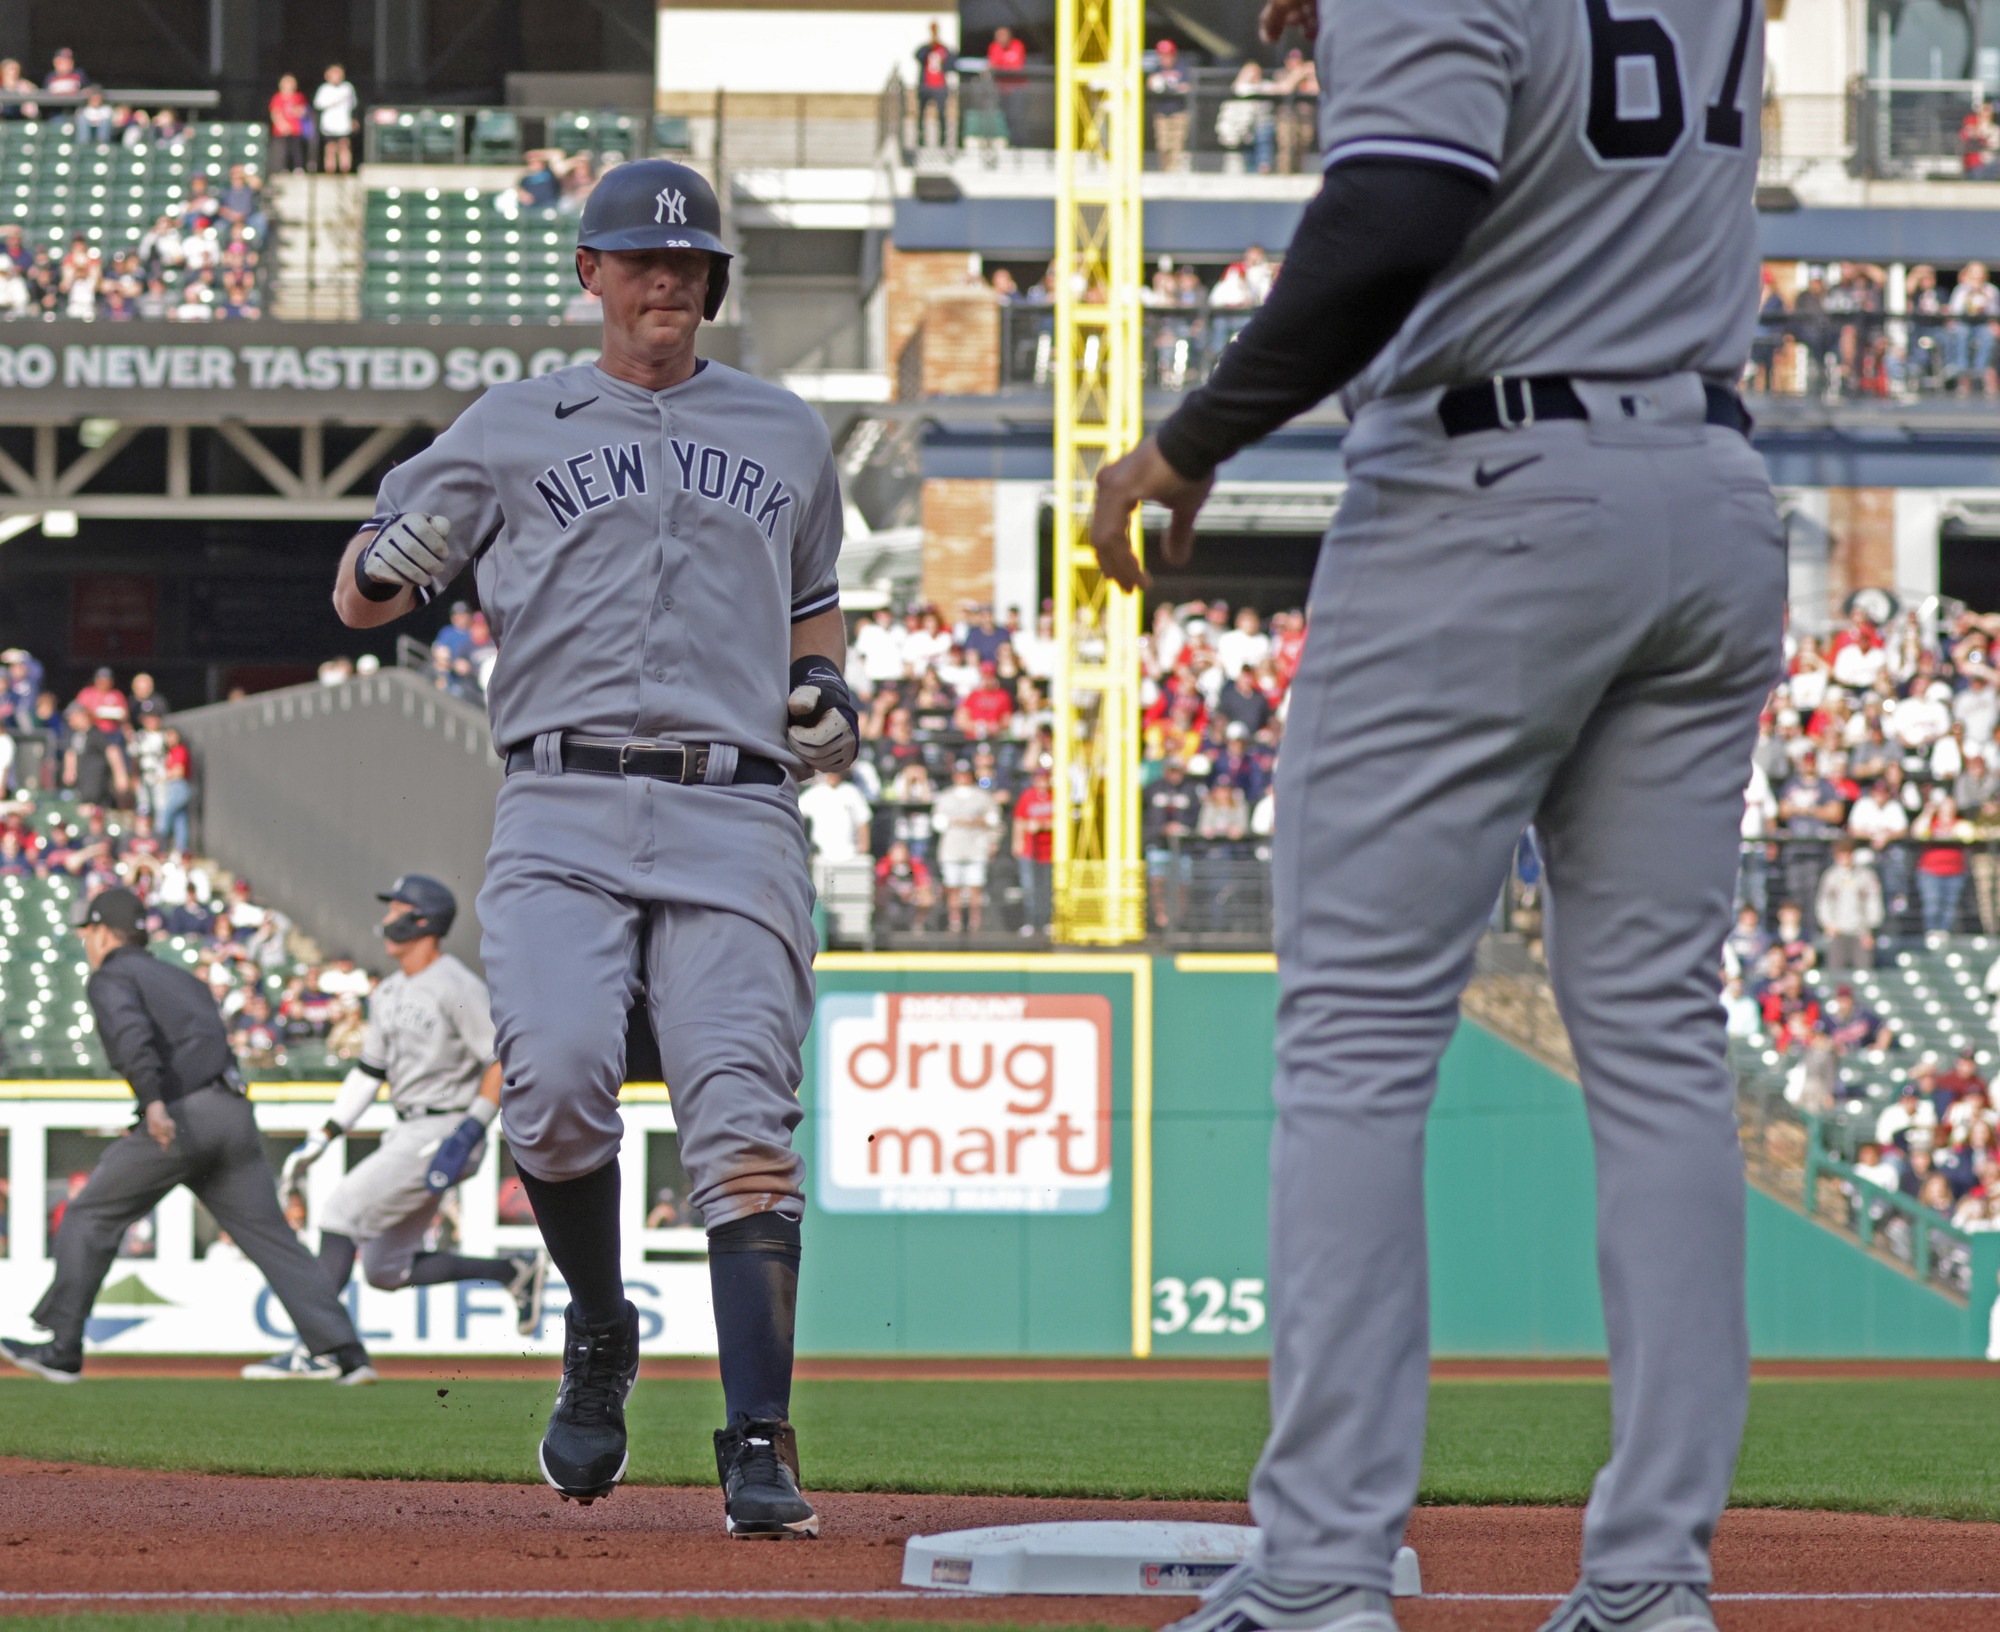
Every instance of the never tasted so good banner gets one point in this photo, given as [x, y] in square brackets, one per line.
[948, 1102]
[222, 1305]
[272, 371]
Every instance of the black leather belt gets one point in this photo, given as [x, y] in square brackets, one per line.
[684, 762]
[1506, 403]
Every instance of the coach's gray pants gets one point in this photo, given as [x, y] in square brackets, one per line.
[219, 1155]
[1583, 644]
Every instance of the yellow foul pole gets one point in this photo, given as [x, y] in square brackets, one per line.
[1100, 882]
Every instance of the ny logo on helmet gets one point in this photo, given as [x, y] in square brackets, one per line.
[670, 206]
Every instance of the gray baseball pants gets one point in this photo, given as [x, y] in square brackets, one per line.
[1582, 641]
[219, 1155]
[600, 890]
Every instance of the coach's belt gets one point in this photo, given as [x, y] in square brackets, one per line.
[685, 762]
[1508, 402]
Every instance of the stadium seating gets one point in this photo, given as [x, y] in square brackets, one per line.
[53, 186]
[1935, 1004]
[465, 256]
[45, 1026]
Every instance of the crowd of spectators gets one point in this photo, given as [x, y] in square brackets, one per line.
[202, 262]
[320, 127]
[1853, 330]
[101, 793]
[951, 801]
[1259, 116]
[1873, 800]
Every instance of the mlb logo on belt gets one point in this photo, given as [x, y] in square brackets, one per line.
[670, 205]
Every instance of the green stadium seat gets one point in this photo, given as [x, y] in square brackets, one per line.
[495, 137]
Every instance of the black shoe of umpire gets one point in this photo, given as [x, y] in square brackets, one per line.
[583, 1450]
[758, 1463]
[44, 1360]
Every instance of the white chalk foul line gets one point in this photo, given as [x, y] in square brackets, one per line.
[620, 1595]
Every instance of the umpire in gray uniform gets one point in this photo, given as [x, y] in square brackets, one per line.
[163, 1034]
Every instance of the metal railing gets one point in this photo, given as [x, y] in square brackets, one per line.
[1217, 130]
[506, 135]
[1936, 1252]
[1182, 344]
[1858, 356]
[1878, 130]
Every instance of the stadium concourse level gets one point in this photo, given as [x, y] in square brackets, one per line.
[158, 221]
[100, 794]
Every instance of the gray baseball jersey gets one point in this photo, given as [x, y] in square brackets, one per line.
[432, 1033]
[640, 555]
[1621, 139]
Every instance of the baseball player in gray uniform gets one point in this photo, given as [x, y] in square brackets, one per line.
[654, 539]
[430, 1038]
[1553, 595]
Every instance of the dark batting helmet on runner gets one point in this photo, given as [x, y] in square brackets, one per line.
[657, 204]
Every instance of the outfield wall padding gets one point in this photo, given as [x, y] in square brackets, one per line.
[1509, 1207]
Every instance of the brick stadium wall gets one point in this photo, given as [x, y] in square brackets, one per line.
[958, 543]
[962, 342]
[909, 277]
[1862, 547]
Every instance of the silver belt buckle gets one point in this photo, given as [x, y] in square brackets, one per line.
[1500, 403]
[625, 748]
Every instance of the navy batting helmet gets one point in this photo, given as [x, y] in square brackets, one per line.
[432, 908]
[657, 204]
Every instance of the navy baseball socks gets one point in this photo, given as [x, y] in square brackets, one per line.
[753, 1274]
[583, 1451]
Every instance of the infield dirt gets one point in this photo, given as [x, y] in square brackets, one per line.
[91, 1531]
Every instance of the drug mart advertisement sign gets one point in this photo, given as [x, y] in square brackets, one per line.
[939, 1102]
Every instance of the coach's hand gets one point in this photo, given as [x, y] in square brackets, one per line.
[405, 553]
[1279, 15]
[824, 728]
[159, 1124]
[1121, 486]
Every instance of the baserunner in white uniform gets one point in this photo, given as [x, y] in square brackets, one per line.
[1552, 595]
[430, 1038]
[654, 540]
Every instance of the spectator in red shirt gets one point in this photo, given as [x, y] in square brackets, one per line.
[1034, 850]
[933, 85]
[904, 893]
[987, 707]
[1007, 56]
[1963, 1078]
[101, 697]
[289, 111]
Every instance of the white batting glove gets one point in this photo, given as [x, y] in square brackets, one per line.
[405, 553]
[826, 744]
[301, 1159]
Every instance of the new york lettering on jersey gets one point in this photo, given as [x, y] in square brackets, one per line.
[595, 478]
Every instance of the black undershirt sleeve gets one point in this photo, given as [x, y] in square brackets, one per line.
[1368, 246]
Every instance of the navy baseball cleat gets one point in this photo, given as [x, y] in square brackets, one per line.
[1640, 1606]
[583, 1451]
[758, 1465]
[1246, 1600]
[43, 1360]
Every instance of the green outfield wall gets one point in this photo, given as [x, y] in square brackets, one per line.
[1147, 1104]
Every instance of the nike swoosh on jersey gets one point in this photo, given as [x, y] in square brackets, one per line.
[564, 410]
[1486, 478]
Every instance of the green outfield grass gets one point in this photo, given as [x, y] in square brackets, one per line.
[1887, 1445]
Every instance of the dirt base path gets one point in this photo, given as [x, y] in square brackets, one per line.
[75, 1537]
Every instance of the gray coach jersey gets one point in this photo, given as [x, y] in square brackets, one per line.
[641, 555]
[432, 1034]
[1621, 138]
